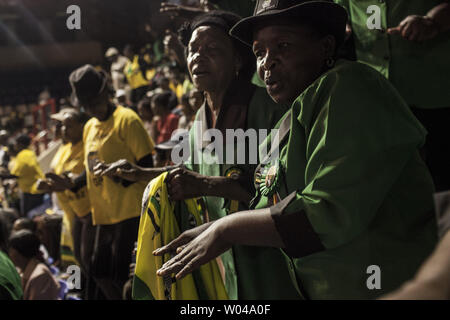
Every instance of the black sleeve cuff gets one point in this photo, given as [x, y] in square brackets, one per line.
[145, 162]
[442, 204]
[80, 182]
[296, 231]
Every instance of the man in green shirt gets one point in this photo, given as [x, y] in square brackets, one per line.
[410, 47]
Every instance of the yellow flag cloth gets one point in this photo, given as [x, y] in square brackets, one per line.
[161, 222]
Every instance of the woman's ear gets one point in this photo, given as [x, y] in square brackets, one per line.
[329, 46]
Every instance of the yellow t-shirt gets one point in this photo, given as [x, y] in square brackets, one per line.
[57, 157]
[26, 167]
[134, 74]
[122, 136]
[70, 158]
[178, 89]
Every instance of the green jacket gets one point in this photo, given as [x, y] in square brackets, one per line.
[360, 195]
[248, 269]
[419, 71]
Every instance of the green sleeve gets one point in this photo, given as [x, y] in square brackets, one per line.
[343, 3]
[359, 137]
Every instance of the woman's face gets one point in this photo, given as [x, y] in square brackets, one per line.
[211, 59]
[289, 58]
[72, 129]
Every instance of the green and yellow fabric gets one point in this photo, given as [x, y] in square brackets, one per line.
[161, 222]
[248, 270]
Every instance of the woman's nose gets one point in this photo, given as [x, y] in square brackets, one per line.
[269, 61]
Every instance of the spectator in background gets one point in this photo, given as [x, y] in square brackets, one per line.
[10, 284]
[167, 122]
[145, 112]
[48, 230]
[113, 133]
[4, 156]
[118, 63]
[175, 81]
[135, 72]
[188, 114]
[31, 225]
[75, 203]
[26, 169]
[38, 283]
[164, 86]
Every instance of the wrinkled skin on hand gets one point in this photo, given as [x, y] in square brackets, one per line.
[200, 250]
[120, 169]
[416, 28]
[185, 184]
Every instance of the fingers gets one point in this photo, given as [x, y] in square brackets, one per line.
[110, 171]
[98, 169]
[175, 192]
[181, 240]
[129, 175]
[181, 266]
[173, 265]
[415, 33]
[52, 176]
[191, 266]
[396, 31]
[172, 174]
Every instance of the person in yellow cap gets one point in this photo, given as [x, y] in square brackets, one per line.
[75, 203]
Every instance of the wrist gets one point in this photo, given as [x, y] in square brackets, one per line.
[434, 23]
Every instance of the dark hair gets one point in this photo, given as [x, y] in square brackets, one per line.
[23, 140]
[27, 224]
[223, 20]
[163, 99]
[185, 97]
[145, 103]
[25, 242]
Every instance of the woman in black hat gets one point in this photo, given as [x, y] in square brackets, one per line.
[348, 200]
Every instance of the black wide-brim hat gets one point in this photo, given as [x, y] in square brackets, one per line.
[329, 15]
[87, 83]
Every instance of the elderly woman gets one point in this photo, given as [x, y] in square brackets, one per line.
[349, 200]
[222, 68]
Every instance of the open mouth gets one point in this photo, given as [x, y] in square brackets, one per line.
[272, 85]
[200, 74]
